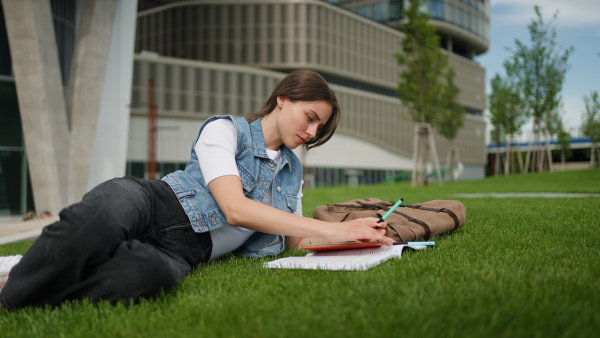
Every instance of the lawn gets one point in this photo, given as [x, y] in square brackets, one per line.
[521, 267]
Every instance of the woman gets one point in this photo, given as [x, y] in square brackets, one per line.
[130, 238]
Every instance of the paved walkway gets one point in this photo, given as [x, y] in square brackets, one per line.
[15, 229]
[528, 194]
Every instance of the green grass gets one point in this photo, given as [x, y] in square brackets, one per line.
[521, 267]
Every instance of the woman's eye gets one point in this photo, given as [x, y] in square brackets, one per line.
[310, 119]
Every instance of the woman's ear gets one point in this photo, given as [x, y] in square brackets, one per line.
[281, 101]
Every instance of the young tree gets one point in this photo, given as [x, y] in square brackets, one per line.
[452, 115]
[539, 71]
[591, 123]
[422, 62]
[506, 115]
[553, 125]
[498, 137]
[564, 144]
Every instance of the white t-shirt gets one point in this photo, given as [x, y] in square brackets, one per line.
[215, 149]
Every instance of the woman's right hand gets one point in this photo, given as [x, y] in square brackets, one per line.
[360, 229]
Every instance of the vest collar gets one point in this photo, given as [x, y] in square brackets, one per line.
[260, 147]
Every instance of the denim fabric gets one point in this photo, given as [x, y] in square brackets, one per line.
[257, 172]
[127, 239]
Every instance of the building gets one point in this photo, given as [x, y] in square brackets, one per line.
[74, 105]
[224, 57]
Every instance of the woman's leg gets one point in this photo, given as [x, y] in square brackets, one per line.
[95, 242]
[135, 270]
[143, 268]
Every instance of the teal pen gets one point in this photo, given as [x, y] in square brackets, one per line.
[389, 212]
[415, 243]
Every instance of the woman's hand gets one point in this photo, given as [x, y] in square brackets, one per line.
[361, 229]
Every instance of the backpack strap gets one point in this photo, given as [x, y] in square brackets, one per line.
[448, 211]
[367, 206]
[418, 221]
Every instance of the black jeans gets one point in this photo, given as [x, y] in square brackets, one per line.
[127, 239]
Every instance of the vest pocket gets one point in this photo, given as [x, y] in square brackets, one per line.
[292, 202]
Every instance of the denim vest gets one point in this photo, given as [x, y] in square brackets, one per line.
[257, 173]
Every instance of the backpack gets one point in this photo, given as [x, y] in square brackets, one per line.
[409, 222]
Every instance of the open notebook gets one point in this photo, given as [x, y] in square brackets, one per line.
[350, 259]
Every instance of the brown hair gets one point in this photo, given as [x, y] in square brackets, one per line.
[304, 85]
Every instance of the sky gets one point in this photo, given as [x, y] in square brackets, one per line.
[577, 24]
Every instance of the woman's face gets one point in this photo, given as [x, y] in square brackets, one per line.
[299, 121]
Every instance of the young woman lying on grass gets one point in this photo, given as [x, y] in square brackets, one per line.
[132, 238]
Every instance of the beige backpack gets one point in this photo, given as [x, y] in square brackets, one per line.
[409, 222]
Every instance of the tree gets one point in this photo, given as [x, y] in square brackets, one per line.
[422, 62]
[591, 123]
[497, 111]
[498, 137]
[452, 115]
[506, 116]
[539, 72]
[564, 144]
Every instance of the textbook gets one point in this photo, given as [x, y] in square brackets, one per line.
[348, 259]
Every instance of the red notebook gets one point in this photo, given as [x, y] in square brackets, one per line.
[340, 246]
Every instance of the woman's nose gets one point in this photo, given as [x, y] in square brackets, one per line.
[312, 130]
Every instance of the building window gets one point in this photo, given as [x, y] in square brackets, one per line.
[395, 10]
[437, 10]
[380, 11]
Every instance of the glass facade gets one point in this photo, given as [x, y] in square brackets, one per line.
[64, 16]
[15, 190]
[5, 59]
[470, 15]
[138, 169]
[334, 177]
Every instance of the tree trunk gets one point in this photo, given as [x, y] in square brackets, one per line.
[434, 156]
[529, 163]
[415, 159]
[497, 164]
[538, 160]
[449, 161]
[452, 160]
[420, 155]
[507, 157]
[520, 159]
[424, 154]
[548, 150]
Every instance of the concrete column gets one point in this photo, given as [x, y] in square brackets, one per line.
[60, 131]
[41, 100]
[110, 146]
[449, 46]
[86, 84]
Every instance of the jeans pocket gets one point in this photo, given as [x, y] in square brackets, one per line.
[192, 246]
